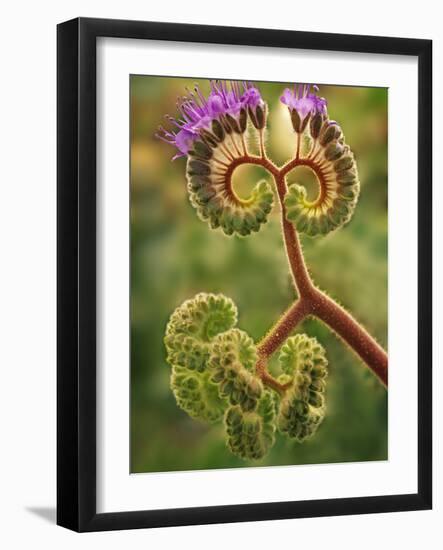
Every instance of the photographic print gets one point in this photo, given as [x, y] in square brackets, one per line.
[222, 274]
[258, 234]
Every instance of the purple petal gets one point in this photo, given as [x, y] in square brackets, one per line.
[215, 105]
[184, 140]
[252, 97]
[197, 113]
[303, 101]
[287, 97]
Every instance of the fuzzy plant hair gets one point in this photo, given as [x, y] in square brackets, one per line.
[219, 374]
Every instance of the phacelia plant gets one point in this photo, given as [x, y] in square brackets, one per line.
[219, 374]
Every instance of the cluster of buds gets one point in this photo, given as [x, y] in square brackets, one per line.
[302, 409]
[213, 373]
[214, 377]
[232, 362]
[189, 335]
[211, 133]
[331, 159]
[197, 395]
[251, 434]
[192, 327]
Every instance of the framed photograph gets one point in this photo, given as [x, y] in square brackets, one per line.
[244, 269]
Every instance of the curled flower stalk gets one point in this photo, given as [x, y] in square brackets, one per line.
[327, 154]
[212, 135]
[218, 372]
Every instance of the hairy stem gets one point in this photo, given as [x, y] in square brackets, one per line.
[294, 252]
[283, 328]
[312, 301]
[349, 330]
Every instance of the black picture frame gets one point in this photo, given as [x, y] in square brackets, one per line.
[76, 280]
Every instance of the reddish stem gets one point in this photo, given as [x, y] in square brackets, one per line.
[311, 301]
[283, 328]
[294, 252]
[357, 338]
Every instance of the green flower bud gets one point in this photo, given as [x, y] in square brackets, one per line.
[316, 399]
[302, 407]
[345, 163]
[347, 177]
[299, 351]
[197, 395]
[232, 361]
[297, 425]
[193, 326]
[334, 151]
[250, 435]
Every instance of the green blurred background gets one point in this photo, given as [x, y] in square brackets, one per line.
[174, 255]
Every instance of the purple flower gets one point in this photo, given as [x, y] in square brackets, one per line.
[196, 113]
[303, 101]
[252, 97]
[184, 140]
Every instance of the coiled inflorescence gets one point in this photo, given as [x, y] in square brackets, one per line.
[213, 373]
[189, 335]
[214, 377]
[329, 157]
[193, 326]
[302, 408]
[211, 194]
[232, 362]
[197, 395]
[212, 134]
[251, 434]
